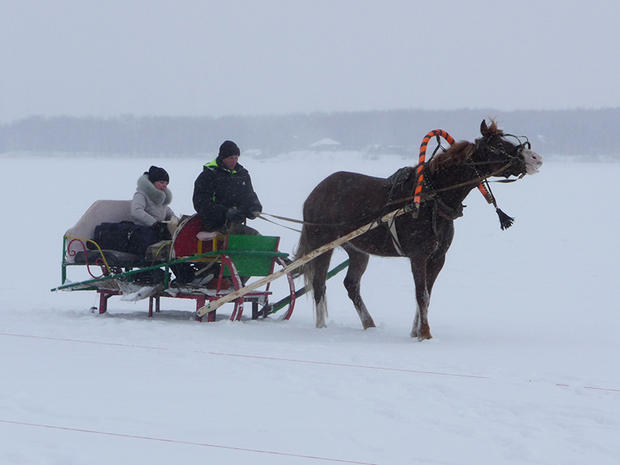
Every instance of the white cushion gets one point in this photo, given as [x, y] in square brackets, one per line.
[101, 211]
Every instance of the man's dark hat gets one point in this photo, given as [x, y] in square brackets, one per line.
[157, 174]
[228, 149]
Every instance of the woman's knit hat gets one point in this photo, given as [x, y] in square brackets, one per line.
[157, 174]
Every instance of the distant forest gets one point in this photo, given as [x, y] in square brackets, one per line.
[577, 133]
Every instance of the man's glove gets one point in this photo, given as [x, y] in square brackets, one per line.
[233, 215]
[253, 215]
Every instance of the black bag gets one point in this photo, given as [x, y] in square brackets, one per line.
[125, 236]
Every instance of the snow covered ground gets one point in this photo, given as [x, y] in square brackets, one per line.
[522, 369]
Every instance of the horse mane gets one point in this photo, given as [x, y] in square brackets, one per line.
[458, 153]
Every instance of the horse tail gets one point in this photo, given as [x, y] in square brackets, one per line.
[310, 270]
[304, 248]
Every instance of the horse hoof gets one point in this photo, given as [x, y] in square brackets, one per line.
[422, 337]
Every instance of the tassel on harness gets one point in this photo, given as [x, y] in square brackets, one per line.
[505, 221]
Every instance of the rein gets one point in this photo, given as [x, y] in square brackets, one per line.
[283, 218]
[262, 216]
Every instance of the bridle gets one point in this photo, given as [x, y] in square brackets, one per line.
[514, 156]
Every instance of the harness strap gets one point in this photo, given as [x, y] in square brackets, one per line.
[390, 225]
[394, 235]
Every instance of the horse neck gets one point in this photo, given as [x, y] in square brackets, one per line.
[455, 183]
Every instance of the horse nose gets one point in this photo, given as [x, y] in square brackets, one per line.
[533, 161]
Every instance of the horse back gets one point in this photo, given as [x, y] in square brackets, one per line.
[346, 197]
[345, 201]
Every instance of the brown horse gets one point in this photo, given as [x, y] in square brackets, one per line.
[346, 201]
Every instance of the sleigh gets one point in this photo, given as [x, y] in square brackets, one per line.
[221, 264]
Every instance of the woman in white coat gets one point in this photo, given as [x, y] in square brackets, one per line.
[150, 203]
[150, 207]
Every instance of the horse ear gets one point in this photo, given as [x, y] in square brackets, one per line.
[484, 130]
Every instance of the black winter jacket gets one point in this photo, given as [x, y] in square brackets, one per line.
[217, 189]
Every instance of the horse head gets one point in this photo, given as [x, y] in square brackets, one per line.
[496, 155]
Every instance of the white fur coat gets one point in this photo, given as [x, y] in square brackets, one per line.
[150, 205]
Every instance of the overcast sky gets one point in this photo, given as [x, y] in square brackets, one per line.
[213, 58]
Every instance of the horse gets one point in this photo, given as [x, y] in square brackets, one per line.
[345, 201]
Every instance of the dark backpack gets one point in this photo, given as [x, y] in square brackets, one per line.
[125, 236]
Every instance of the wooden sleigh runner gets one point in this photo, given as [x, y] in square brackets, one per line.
[232, 260]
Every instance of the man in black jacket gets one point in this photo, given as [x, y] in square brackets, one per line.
[223, 194]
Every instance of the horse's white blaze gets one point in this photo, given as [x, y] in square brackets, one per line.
[321, 313]
[533, 161]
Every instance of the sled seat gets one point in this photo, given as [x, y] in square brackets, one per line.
[190, 239]
[77, 238]
[101, 211]
[113, 257]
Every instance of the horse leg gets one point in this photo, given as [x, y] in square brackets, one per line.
[434, 267]
[420, 328]
[320, 267]
[358, 261]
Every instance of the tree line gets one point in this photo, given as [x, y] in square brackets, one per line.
[579, 132]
